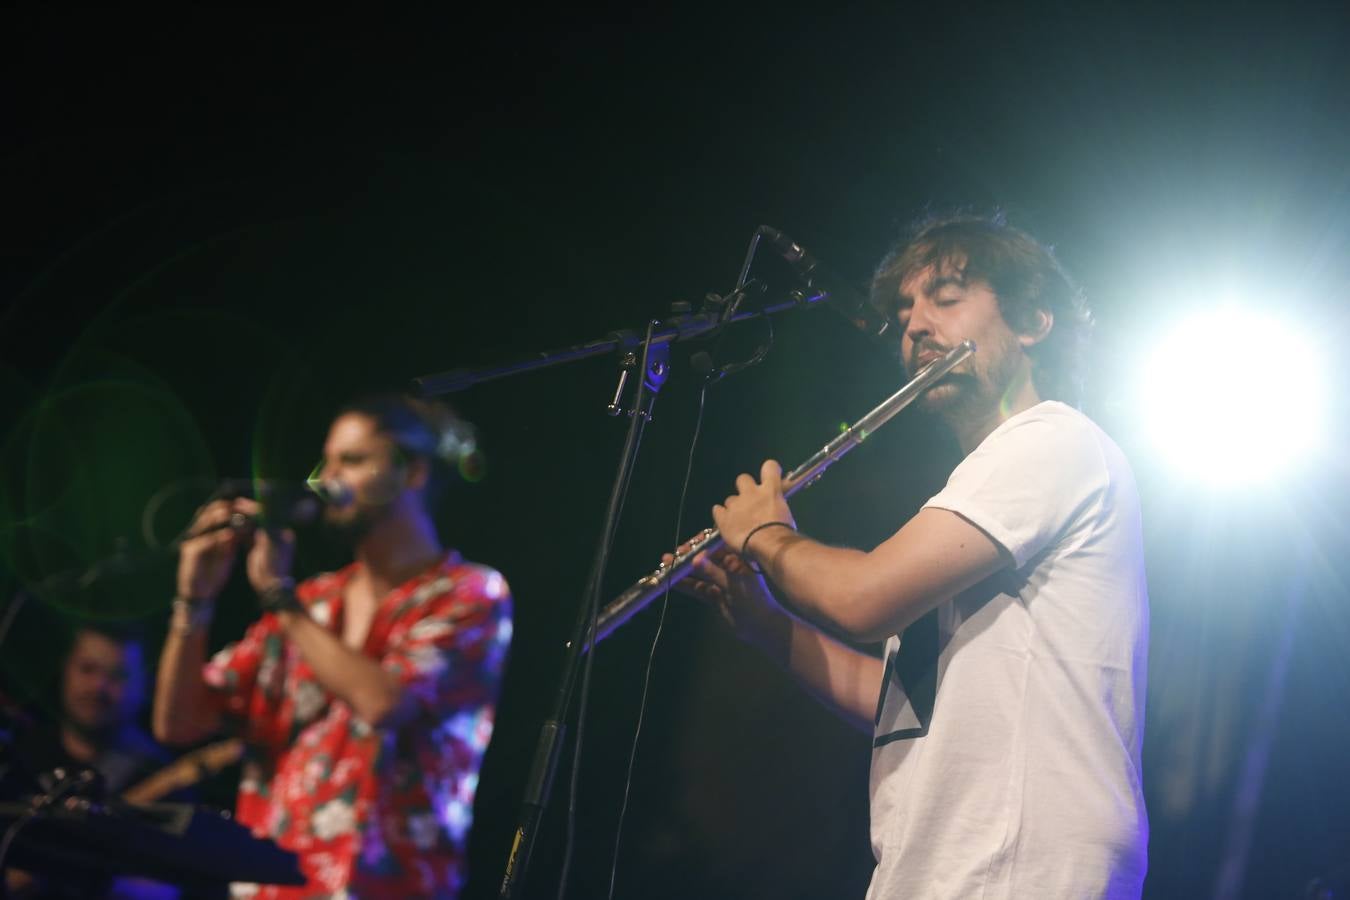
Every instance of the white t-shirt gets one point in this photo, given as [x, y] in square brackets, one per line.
[1015, 771]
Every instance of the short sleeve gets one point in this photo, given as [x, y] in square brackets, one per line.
[450, 649]
[232, 674]
[1030, 481]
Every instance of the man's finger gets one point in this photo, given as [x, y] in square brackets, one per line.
[708, 571]
[212, 514]
[247, 506]
[700, 590]
[735, 565]
[722, 554]
[771, 475]
[731, 562]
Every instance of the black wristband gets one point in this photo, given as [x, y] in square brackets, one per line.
[745, 544]
[280, 598]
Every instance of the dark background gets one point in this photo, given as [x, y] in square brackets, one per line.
[219, 224]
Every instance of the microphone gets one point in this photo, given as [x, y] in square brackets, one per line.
[331, 491]
[822, 284]
[284, 503]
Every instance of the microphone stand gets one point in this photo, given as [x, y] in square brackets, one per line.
[653, 364]
[654, 370]
[681, 327]
[716, 315]
[653, 367]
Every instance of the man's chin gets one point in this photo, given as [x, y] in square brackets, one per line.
[346, 534]
[941, 397]
[91, 727]
[350, 529]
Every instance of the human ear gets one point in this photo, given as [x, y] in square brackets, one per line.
[1038, 327]
[418, 473]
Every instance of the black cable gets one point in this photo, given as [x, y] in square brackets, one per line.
[738, 294]
[656, 638]
[712, 377]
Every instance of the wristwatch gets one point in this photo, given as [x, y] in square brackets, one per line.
[280, 597]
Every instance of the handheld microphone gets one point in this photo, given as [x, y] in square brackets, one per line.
[822, 284]
[284, 503]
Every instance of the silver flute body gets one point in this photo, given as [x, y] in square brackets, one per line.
[651, 586]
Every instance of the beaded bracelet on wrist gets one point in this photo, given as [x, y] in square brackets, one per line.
[191, 615]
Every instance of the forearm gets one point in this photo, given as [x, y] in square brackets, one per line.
[374, 695]
[184, 711]
[825, 584]
[844, 679]
[870, 596]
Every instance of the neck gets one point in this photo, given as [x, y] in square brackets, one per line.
[83, 746]
[398, 548]
[976, 425]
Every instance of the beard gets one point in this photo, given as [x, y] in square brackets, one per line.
[349, 530]
[972, 389]
[950, 394]
[93, 725]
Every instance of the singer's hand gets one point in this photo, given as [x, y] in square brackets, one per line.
[273, 551]
[754, 503]
[204, 561]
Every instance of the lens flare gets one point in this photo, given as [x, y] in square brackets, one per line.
[1234, 397]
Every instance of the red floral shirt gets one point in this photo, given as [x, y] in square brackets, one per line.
[372, 812]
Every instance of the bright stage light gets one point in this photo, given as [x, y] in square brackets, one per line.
[1234, 397]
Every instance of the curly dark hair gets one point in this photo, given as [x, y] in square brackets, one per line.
[425, 429]
[1022, 272]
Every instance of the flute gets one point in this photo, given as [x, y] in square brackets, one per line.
[649, 587]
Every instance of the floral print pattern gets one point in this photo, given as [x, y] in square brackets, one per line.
[372, 812]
